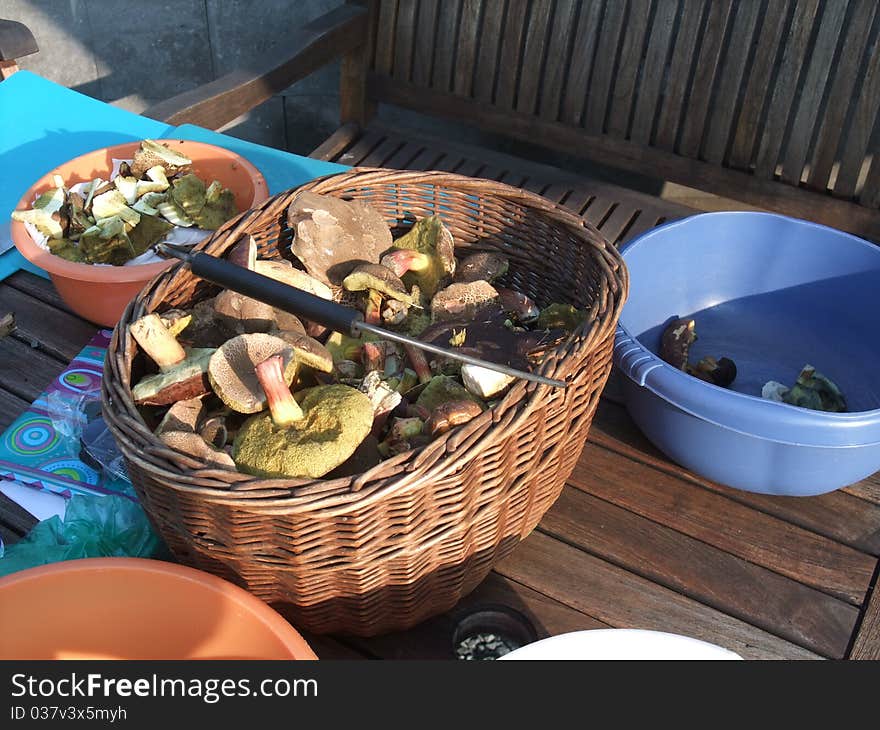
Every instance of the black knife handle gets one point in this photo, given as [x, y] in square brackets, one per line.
[268, 290]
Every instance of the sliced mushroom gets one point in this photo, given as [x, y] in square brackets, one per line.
[232, 369]
[481, 267]
[332, 236]
[336, 420]
[483, 382]
[182, 374]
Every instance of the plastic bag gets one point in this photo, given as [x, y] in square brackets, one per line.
[93, 527]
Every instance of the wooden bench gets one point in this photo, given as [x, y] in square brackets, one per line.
[634, 540]
[773, 104]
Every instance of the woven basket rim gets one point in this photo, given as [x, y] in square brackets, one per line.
[293, 495]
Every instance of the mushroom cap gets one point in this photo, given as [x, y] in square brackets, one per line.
[331, 235]
[379, 278]
[336, 419]
[443, 389]
[676, 340]
[462, 301]
[285, 272]
[484, 266]
[239, 314]
[188, 379]
[308, 351]
[194, 445]
[430, 236]
[231, 369]
[450, 414]
[184, 415]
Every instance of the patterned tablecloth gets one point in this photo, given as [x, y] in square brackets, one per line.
[38, 448]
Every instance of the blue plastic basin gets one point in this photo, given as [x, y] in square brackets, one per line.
[773, 294]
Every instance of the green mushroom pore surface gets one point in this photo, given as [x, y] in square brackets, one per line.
[336, 419]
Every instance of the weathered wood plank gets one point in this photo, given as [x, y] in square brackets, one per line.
[712, 576]
[24, 370]
[511, 53]
[490, 44]
[383, 61]
[581, 61]
[444, 53]
[810, 102]
[603, 68]
[771, 36]
[624, 600]
[841, 516]
[725, 523]
[867, 489]
[720, 118]
[385, 149]
[867, 642]
[697, 109]
[772, 136]
[844, 93]
[355, 154]
[683, 54]
[37, 287]
[466, 51]
[426, 33]
[558, 58]
[404, 39]
[58, 333]
[616, 225]
[11, 407]
[403, 158]
[654, 70]
[623, 87]
[536, 40]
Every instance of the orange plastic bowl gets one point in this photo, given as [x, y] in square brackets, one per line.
[130, 608]
[101, 293]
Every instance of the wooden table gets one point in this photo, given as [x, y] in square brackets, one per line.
[634, 540]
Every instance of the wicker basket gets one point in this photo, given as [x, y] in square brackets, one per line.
[407, 539]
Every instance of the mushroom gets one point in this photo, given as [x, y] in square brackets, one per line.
[203, 329]
[182, 373]
[231, 369]
[152, 153]
[676, 340]
[182, 416]
[194, 445]
[481, 267]
[308, 351]
[519, 305]
[719, 372]
[335, 421]
[425, 255]
[462, 301]
[450, 414]
[814, 390]
[176, 320]
[235, 312]
[402, 435]
[332, 236]
[560, 316]
[442, 389]
[376, 280]
[284, 272]
[214, 431]
[483, 382]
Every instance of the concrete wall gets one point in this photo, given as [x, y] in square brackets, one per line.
[134, 53]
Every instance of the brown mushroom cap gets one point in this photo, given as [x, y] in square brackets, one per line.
[331, 236]
[483, 266]
[285, 272]
[450, 414]
[184, 415]
[676, 340]
[378, 278]
[308, 351]
[194, 445]
[462, 301]
[231, 369]
[239, 314]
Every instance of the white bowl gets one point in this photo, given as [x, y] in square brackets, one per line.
[621, 644]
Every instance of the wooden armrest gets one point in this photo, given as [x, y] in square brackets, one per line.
[16, 40]
[218, 102]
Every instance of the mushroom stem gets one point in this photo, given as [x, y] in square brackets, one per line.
[285, 410]
[155, 339]
[404, 260]
[373, 357]
[419, 363]
[373, 311]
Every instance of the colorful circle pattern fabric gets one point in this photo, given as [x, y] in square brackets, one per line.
[33, 437]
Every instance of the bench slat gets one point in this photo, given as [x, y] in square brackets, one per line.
[444, 55]
[626, 77]
[581, 66]
[466, 50]
[603, 71]
[490, 44]
[426, 33]
[511, 53]
[404, 39]
[558, 58]
[383, 60]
